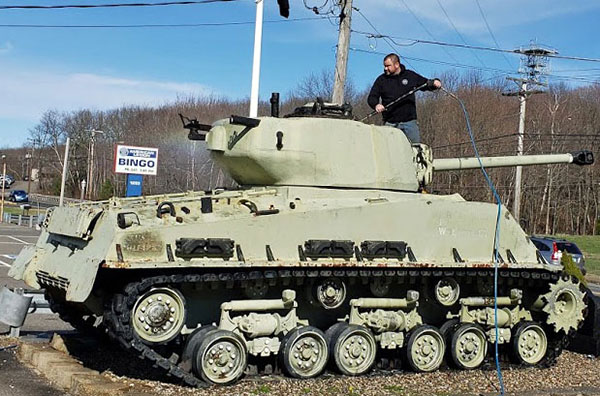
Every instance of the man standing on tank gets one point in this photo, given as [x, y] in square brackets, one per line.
[396, 81]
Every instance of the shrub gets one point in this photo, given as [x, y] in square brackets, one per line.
[571, 268]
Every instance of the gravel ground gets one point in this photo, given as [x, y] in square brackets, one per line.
[6, 341]
[573, 371]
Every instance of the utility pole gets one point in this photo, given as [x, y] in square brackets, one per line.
[534, 64]
[256, 59]
[3, 187]
[28, 160]
[341, 59]
[284, 11]
[64, 173]
[90, 175]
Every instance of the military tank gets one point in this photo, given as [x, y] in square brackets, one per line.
[332, 253]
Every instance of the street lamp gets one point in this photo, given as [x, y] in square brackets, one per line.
[3, 187]
[83, 183]
[28, 159]
[90, 171]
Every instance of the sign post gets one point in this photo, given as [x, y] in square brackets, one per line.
[135, 162]
[134, 185]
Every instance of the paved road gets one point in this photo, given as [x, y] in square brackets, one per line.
[16, 379]
[12, 239]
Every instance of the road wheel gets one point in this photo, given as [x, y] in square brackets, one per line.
[221, 357]
[447, 328]
[425, 349]
[468, 346]
[529, 343]
[353, 350]
[303, 352]
[192, 344]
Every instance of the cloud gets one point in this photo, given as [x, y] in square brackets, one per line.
[28, 93]
[6, 48]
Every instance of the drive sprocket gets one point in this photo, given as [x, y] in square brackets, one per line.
[565, 304]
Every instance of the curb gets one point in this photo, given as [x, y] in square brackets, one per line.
[54, 362]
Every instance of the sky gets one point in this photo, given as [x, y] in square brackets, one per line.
[100, 68]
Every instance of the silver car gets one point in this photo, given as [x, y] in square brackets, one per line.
[552, 248]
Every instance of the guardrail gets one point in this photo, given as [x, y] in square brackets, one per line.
[38, 305]
[50, 199]
[22, 220]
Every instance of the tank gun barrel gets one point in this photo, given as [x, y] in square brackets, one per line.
[583, 157]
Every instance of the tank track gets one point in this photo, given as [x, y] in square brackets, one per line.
[117, 319]
[89, 323]
[117, 311]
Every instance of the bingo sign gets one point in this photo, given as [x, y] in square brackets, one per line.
[137, 160]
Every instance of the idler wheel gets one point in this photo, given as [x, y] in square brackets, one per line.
[158, 315]
[529, 343]
[221, 357]
[425, 349]
[304, 352]
[353, 349]
[468, 346]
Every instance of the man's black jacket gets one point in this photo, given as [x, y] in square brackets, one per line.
[390, 88]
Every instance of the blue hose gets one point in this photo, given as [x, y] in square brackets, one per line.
[496, 237]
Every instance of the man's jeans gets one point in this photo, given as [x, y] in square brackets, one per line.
[410, 129]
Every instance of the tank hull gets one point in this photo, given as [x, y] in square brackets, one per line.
[393, 265]
[432, 226]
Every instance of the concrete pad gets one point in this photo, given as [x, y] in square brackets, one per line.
[58, 344]
[62, 373]
[25, 351]
[48, 361]
[41, 359]
[35, 356]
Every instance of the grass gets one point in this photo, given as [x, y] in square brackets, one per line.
[590, 246]
[395, 389]
[12, 208]
[262, 390]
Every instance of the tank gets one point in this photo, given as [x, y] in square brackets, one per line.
[331, 255]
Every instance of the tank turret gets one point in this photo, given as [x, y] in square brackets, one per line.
[334, 152]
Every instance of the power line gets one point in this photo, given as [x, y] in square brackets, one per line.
[166, 25]
[388, 41]
[425, 28]
[114, 5]
[546, 137]
[459, 34]
[490, 31]
[477, 141]
[475, 47]
[485, 69]
[459, 65]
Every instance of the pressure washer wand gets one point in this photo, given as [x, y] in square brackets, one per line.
[393, 102]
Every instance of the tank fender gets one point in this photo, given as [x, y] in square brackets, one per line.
[86, 276]
[20, 264]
